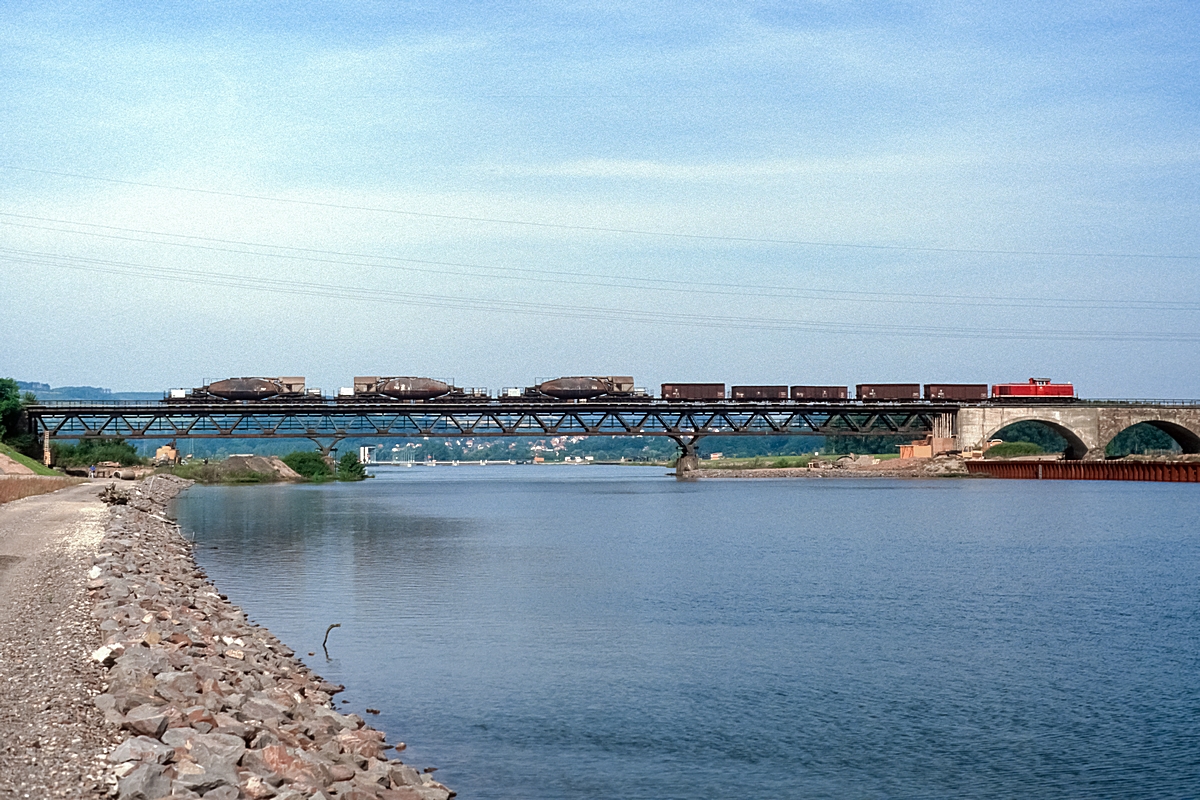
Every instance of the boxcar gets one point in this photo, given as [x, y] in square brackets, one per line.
[758, 393]
[825, 393]
[888, 391]
[956, 391]
[693, 391]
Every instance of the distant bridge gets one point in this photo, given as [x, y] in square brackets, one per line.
[1088, 426]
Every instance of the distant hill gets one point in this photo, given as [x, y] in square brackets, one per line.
[84, 394]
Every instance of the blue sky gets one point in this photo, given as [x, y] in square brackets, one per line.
[790, 192]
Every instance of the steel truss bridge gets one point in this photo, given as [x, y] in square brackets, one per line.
[327, 423]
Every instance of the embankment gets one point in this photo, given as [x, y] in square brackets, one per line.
[127, 675]
[939, 467]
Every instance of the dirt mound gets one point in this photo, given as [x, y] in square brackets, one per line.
[263, 465]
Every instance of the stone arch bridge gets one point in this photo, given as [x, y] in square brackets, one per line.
[1088, 427]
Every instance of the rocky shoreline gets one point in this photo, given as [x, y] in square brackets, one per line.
[938, 467]
[212, 705]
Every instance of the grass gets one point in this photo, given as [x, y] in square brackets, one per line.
[1013, 449]
[16, 487]
[36, 466]
[779, 462]
[213, 473]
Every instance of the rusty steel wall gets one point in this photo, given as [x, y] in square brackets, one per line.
[1175, 472]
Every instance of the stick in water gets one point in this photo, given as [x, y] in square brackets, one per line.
[325, 641]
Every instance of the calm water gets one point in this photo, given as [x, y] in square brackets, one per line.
[597, 632]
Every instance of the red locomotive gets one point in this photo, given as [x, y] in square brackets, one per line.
[1037, 388]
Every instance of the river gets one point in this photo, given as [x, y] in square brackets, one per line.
[608, 632]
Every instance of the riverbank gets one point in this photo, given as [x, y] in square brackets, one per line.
[937, 467]
[128, 675]
[53, 738]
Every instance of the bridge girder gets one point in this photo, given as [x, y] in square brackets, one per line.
[327, 420]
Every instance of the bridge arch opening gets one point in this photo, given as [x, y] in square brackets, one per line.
[1153, 437]
[1050, 436]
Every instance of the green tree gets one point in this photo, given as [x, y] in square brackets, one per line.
[310, 464]
[1140, 439]
[349, 468]
[10, 407]
[1035, 432]
[93, 451]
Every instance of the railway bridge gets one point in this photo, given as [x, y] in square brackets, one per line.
[1088, 426]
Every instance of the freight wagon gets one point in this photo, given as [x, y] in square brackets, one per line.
[964, 392]
[834, 394]
[887, 391]
[758, 393]
[693, 391]
[246, 390]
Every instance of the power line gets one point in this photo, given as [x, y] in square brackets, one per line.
[294, 287]
[604, 229]
[606, 281]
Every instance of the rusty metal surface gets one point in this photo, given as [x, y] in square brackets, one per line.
[887, 391]
[407, 388]
[1175, 472]
[758, 393]
[693, 391]
[246, 388]
[828, 393]
[574, 388]
[956, 391]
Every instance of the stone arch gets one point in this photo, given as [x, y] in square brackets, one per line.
[1076, 447]
[1187, 439]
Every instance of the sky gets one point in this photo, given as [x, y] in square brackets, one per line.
[494, 193]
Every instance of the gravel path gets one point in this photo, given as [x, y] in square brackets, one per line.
[53, 738]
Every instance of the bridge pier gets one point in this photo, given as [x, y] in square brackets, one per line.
[688, 461]
[326, 449]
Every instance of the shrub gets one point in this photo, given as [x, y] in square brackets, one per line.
[1011, 449]
[309, 464]
[349, 468]
[93, 451]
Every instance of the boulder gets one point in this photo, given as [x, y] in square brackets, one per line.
[145, 782]
[146, 720]
[141, 748]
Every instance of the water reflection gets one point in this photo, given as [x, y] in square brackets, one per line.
[581, 633]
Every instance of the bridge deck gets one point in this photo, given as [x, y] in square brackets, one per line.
[483, 419]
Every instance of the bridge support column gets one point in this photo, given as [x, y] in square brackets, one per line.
[327, 449]
[46, 448]
[688, 462]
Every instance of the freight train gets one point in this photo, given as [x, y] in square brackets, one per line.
[616, 388]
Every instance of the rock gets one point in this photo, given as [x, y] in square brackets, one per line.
[207, 749]
[145, 782]
[146, 720]
[108, 654]
[202, 779]
[141, 748]
[187, 667]
[223, 793]
[404, 775]
[138, 662]
[256, 788]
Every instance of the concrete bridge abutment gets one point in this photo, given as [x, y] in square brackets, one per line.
[1087, 429]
